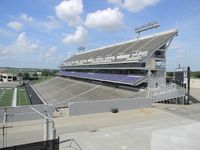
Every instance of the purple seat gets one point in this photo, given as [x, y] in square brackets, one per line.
[115, 78]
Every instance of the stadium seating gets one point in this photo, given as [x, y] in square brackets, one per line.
[63, 90]
[143, 44]
[116, 78]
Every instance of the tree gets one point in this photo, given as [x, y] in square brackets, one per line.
[45, 73]
[19, 74]
[196, 74]
[170, 74]
[35, 76]
[26, 76]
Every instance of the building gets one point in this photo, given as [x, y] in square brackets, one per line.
[5, 77]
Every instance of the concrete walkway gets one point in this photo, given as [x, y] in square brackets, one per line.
[162, 127]
[14, 101]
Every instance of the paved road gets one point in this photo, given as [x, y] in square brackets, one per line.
[34, 98]
[143, 129]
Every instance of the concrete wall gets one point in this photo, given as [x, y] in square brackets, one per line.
[9, 84]
[90, 107]
[25, 113]
[161, 81]
[195, 83]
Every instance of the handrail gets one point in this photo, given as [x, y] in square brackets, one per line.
[169, 88]
[70, 144]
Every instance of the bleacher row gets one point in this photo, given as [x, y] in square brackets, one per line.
[114, 78]
[126, 48]
[62, 90]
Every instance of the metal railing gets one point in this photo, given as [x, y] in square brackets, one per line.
[140, 80]
[169, 91]
[70, 144]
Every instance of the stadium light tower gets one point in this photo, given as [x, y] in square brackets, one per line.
[81, 49]
[151, 25]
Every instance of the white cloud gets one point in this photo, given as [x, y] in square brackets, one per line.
[117, 2]
[70, 11]
[24, 45]
[134, 5]
[6, 33]
[15, 25]
[50, 57]
[50, 24]
[27, 18]
[50, 54]
[137, 5]
[20, 46]
[79, 37]
[107, 20]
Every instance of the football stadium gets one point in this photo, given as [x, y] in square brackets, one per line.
[99, 75]
[126, 75]
[127, 79]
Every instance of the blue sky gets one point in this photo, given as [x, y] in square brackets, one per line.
[43, 33]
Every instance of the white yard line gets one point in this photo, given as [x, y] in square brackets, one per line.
[14, 101]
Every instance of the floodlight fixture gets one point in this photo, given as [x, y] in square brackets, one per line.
[148, 26]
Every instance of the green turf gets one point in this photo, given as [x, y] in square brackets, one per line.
[41, 79]
[22, 97]
[6, 96]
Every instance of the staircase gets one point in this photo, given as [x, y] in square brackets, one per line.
[141, 80]
[169, 92]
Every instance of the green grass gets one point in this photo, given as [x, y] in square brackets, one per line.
[41, 79]
[6, 96]
[22, 97]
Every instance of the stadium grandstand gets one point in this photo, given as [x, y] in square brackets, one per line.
[141, 61]
[61, 91]
[116, 72]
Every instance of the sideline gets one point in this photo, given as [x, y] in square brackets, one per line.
[14, 100]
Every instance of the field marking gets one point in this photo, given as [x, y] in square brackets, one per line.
[19, 97]
[6, 95]
[22, 97]
[14, 100]
[25, 96]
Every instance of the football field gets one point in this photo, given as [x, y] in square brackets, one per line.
[22, 97]
[6, 95]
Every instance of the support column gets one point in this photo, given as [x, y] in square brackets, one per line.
[52, 131]
[46, 127]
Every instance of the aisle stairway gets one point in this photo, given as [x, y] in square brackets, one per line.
[168, 92]
[171, 91]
